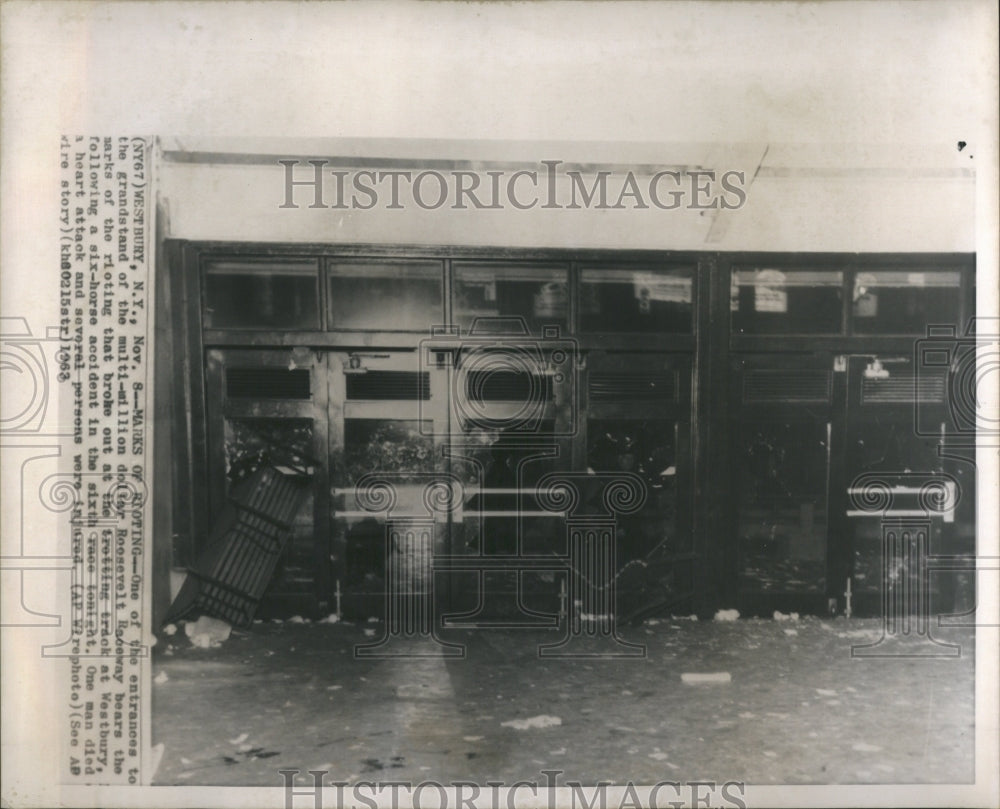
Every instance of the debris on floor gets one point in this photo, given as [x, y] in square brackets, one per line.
[699, 678]
[207, 633]
[727, 615]
[790, 693]
[161, 678]
[780, 616]
[540, 721]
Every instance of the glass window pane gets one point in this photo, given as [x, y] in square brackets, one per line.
[782, 509]
[402, 450]
[902, 302]
[613, 300]
[540, 295]
[647, 448]
[261, 295]
[771, 301]
[500, 475]
[385, 296]
[387, 445]
[887, 446]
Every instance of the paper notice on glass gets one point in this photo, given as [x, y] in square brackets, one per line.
[661, 288]
[769, 292]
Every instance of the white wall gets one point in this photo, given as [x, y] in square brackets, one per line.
[802, 197]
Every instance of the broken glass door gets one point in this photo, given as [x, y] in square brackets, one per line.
[781, 485]
[511, 411]
[387, 428]
[780, 453]
[897, 474]
[269, 408]
[638, 424]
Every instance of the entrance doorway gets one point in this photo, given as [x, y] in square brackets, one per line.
[901, 488]
[484, 415]
[827, 453]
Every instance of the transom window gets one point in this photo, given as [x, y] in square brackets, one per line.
[786, 301]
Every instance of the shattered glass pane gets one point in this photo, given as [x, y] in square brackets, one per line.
[387, 445]
[782, 507]
[647, 448]
[885, 445]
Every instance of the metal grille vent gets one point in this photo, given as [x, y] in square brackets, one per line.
[389, 385]
[507, 386]
[761, 385]
[904, 387]
[629, 386]
[268, 383]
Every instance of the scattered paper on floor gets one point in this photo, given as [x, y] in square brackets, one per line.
[540, 721]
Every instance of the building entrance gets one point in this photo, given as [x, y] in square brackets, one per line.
[487, 416]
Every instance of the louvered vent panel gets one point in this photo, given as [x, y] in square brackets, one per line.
[389, 385]
[630, 386]
[267, 383]
[786, 386]
[903, 387]
[507, 386]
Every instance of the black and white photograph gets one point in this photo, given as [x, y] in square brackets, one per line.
[497, 405]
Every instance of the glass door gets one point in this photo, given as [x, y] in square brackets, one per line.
[269, 407]
[781, 459]
[638, 423]
[512, 413]
[899, 483]
[387, 423]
